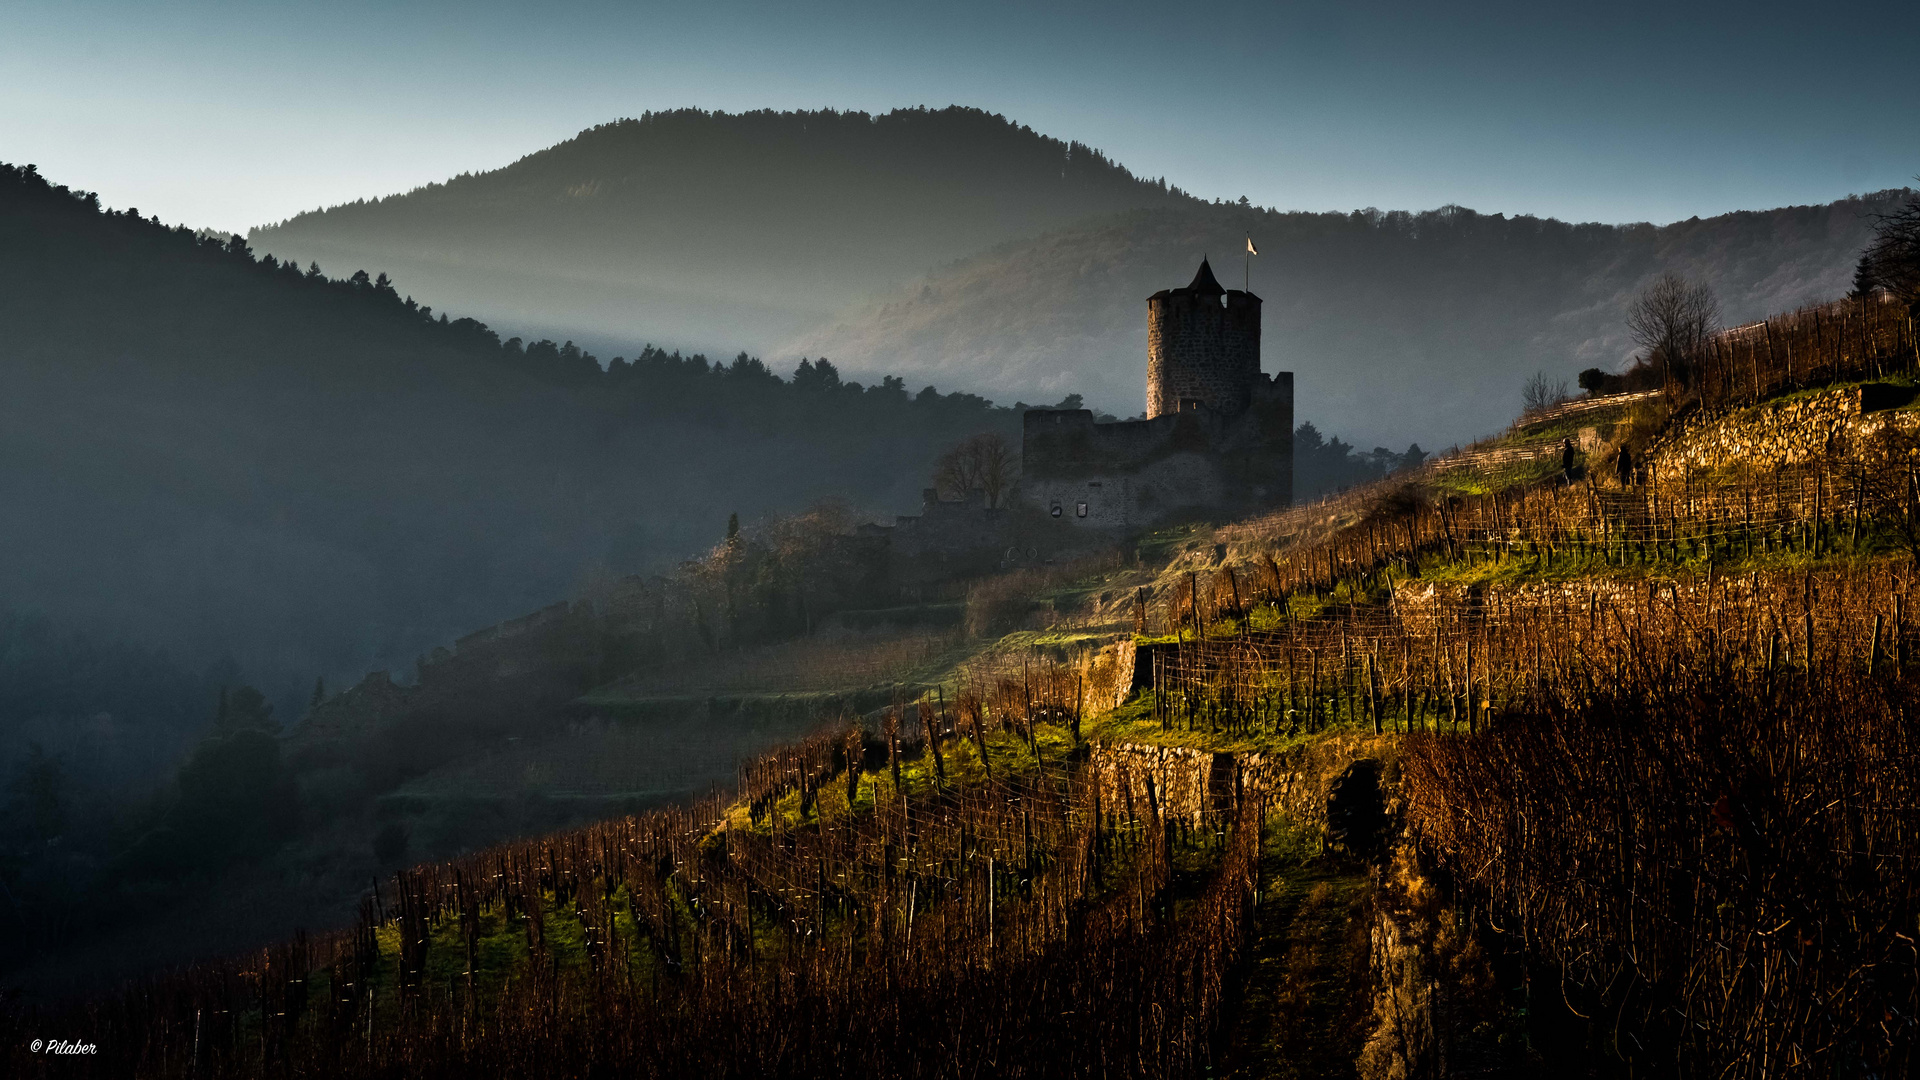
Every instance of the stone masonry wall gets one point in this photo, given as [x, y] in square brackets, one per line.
[1197, 349]
[1192, 784]
[1838, 423]
[1240, 342]
[1122, 475]
[1110, 499]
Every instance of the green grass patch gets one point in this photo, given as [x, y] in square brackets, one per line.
[1735, 552]
[1135, 722]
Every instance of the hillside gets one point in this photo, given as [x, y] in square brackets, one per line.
[240, 461]
[223, 472]
[1502, 769]
[716, 230]
[1397, 326]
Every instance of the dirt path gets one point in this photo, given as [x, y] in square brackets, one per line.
[1303, 1005]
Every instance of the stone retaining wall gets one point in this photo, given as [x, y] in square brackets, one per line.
[1839, 423]
[1193, 784]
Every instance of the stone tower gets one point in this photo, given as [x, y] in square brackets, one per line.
[1203, 347]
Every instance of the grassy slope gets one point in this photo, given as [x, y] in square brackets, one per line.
[1303, 1008]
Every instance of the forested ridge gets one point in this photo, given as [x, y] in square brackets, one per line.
[232, 455]
[250, 463]
[221, 470]
[706, 226]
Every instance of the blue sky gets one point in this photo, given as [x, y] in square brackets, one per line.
[230, 115]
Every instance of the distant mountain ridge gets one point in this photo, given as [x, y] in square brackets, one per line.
[704, 229]
[1397, 325]
[959, 246]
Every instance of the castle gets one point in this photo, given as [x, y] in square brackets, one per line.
[1218, 434]
[1217, 438]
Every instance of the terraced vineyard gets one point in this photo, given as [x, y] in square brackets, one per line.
[1609, 771]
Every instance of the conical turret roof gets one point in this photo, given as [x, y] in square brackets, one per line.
[1205, 283]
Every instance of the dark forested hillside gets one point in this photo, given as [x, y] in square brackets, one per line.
[705, 228]
[1396, 325]
[233, 457]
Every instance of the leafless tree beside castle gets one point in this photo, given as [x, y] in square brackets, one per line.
[1673, 319]
[982, 461]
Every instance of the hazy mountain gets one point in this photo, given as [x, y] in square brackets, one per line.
[1397, 326]
[709, 229]
[837, 234]
[231, 457]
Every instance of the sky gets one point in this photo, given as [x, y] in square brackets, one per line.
[229, 115]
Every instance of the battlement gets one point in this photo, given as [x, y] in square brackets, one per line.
[1061, 441]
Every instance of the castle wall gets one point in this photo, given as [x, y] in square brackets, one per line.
[950, 540]
[1218, 437]
[1084, 475]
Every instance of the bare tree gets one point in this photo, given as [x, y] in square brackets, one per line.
[1673, 320]
[1541, 393]
[1891, 260]
[981, 461]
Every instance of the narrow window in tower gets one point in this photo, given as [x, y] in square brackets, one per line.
[1056, 510]
[1082, 510]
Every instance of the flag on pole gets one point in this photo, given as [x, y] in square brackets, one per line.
[1251, 250]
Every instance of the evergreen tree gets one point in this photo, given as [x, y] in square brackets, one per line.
[236, 798]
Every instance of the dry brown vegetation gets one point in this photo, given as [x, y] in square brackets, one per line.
[1715, 852]
[1690, 802]
[1019, 599]
[1815, 509]
[1659, 762]
[848, 923]
[1866, 338]
[1687, 802]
